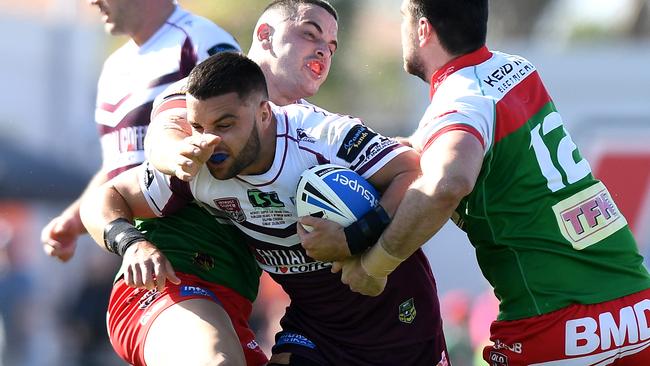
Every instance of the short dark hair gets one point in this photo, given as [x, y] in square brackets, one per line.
[226, 72]
[291, 6]
[461, 25]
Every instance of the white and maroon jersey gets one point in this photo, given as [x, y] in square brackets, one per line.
[547, 233]
[134, 75]
[263, 206]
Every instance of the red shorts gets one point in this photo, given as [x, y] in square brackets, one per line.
[131, 312]
[615, 332]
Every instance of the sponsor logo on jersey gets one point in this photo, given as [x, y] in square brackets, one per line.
[204, 261]
[124, 139]
[498, 359]
[294, 338]
[588, 216]
[628, 332]
[252, 344]
[354, 142]
[407, 311]
[148, 298]
[258, 198]
[509, 75]
[232, 208]
[303, 136]
[286, 261]
[197, 291]
[516, 347]
[222, 47]
[372, 150]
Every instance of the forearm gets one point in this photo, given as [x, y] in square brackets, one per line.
[119, 198]
[450, 168]
[102, 207]
[420, 215]
[397, 189]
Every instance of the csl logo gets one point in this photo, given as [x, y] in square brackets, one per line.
[258, 198]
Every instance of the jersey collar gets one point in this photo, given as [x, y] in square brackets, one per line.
[470, 59]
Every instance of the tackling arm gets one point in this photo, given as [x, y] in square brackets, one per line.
[143, 264]
[450, 168]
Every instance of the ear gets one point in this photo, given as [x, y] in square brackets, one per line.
[265, 111]
[426, 33]
[264, 35]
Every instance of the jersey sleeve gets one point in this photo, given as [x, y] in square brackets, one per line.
[472, 113]
[347, 142]
[164, 194]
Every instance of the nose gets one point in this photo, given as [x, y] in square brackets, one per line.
[322, 51]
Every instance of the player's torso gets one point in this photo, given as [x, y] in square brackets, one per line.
[134, 75]
[547, 233]
[263, 206]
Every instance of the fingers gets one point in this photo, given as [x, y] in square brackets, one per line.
[336, 267]
[65, 252]
[314, 222]
[204, 145]
[171, 274]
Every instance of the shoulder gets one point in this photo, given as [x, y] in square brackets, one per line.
[203, 30]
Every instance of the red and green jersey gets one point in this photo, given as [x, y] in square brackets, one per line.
[546, 232]
[195, 243]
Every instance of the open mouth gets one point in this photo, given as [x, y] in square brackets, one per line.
[218, 158]
[316, 67]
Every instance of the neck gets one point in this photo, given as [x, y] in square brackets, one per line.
[155, 18]
[439, 58]
[277, 96]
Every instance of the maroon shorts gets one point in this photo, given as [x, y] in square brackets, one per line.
[131, 312]
[615, 332]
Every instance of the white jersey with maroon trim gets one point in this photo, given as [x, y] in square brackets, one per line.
[263, 206]
[134, 75]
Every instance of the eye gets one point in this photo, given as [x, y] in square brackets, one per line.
[197, 127]
[223, 126]
[309, 35]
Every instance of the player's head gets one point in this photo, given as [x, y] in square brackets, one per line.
[455, 27]
[131, 18]
[227, 97]
[293, 42]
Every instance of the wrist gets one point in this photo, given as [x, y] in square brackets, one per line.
[363, 233]
[378, 262]
[119, 235]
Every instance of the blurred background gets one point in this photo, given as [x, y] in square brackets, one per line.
[594, 56]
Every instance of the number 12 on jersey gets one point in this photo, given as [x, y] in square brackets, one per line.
[555, 152]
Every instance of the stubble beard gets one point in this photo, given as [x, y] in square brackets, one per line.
[415, 67]
[247, 156]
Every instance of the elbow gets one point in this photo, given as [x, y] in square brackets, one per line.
[447, 192]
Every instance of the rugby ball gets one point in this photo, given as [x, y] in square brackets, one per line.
[335, 193]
